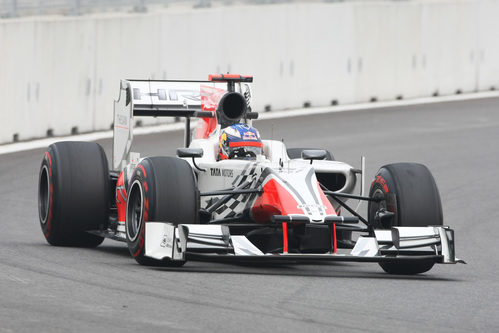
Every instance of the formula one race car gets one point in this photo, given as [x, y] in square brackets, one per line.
[230, 196]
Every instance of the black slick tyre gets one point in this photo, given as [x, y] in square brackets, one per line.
[411, 194]
[73, 193]
[162, 189]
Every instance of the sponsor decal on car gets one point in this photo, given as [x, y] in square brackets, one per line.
[314, 208]
[166, 242]
[222, 172]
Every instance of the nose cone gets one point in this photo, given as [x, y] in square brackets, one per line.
[292, 193]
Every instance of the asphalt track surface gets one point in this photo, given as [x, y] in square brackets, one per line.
[47, 289]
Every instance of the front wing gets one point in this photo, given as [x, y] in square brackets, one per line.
[165, 241]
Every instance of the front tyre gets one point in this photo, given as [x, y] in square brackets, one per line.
[73, 193]
[411, 196]
[162, 189]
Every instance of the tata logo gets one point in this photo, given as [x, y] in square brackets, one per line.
[222, 172]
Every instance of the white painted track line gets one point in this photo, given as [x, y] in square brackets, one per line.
[41, 143]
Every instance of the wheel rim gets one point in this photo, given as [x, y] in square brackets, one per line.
[44, 195]
[134, 210]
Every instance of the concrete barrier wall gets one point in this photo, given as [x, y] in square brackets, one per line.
[61, 74]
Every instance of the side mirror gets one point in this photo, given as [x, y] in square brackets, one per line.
[311, 155]
[251, 115]
[190, 152]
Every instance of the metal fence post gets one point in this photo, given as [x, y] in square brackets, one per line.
[74, 6]
[12, 9]
[140, 7]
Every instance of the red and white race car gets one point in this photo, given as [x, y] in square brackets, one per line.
[273, 204]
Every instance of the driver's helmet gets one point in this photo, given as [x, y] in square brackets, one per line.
[240, 141]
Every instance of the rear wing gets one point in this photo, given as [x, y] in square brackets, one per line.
[166, 98]
[154, 98]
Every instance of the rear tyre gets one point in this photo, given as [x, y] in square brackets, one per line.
[73, 193]
[410, 193]
[296, 153]
[162, 189]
